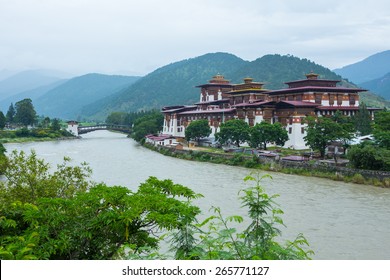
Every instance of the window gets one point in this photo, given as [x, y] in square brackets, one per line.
[318, 98]
[290, 130]
[352, 100]
[339, 100]
[331, 99]
[302, 130]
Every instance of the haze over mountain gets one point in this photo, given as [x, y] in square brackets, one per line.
[380, 86]
[66, 100]
[171, 84]
[4, 74]
[33, 94]
[175, 83]
[371, 68]
[27, 80]
[94, 96]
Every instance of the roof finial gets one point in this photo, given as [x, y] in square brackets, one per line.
[312, 76]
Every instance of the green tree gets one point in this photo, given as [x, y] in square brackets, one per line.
[221, 241]
[118, 118]
[3, 120]
[197, 129]
[25, 112]
[148, 124]
[55, 125]
[28, 178]
[10, 113]
[367, 156]
[45, 216]
[45, 123]
[264, 132]
[363, 120]
[382, 129]
[322, 131]
[235, 131]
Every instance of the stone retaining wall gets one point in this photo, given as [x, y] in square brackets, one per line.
[315, 166]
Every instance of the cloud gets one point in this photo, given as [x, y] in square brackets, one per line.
[139, 36]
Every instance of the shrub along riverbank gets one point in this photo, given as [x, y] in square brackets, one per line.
[309, 168]
[36, 134]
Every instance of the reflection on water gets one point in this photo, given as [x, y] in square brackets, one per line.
[340, 220]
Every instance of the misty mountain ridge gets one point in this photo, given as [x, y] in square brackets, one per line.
[380, 86]
[33, 94]
[175, 83]
[371, 68]
[94, 96]
[65, 100]
[27, 80]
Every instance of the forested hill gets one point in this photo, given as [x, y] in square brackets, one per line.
[168, 85]
[66, 100]
[275, 70]
[175, 83]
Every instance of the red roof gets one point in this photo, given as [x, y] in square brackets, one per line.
[174, 109]
[159, 137]
[343, 108]
[230, 110]
[253, 104]
[300, 103]
[213, 102]
[313, 88]
[292, 103]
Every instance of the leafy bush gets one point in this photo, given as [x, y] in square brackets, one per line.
[62, 215]
[23, 132]
[220, 241]
[366, 156]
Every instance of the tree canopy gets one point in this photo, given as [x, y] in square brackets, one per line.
[363, 120]
[197, 129]
[53, 216]
[322, 131]
[2, 120]
[150, 123]
[10, 113]
[382, 129]
[25, 112]
[63, 215]
[233, 131]
[264, 132]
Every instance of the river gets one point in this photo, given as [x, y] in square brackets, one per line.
[340, 220]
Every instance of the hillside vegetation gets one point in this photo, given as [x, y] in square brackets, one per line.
[66, 100]
[371, 68]
[380, 86]
[168, 85]
[176, 83]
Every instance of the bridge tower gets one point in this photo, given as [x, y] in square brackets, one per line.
[73, 127]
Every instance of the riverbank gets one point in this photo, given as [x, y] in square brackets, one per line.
[308, 168]
[34, 139]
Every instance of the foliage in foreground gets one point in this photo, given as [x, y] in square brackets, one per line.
[62, 215]
[222, 241]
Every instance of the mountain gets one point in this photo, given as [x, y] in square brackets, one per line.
[380, 86]
[174, 84]
[168, 85]
[274, 70]
[371, 68]
[6, 73]
[33, 94]
[27, 80]
[66, 100]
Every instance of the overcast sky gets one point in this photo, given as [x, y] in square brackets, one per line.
[136, 37]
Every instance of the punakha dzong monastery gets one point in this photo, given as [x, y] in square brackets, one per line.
[221, 101]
